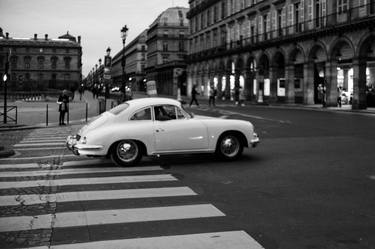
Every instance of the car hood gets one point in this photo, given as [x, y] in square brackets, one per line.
[97, 122]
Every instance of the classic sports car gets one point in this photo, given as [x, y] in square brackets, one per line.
[156, 126]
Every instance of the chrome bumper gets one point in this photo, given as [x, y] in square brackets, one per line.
[82, 149]
[71, 141]
[255, 141]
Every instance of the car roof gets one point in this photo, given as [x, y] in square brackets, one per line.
[152, 101]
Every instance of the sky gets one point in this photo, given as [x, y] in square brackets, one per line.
[98, 22]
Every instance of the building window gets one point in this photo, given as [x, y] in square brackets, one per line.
[13, 62]
[342, 6]
[223, 9]
[54, 62]
[67, 50]
[165, 47]
[215, 14]
[40, 76]
[280, 21]
[143, 48]
[66, 76]
[1, 61]
[27, 76]
[296, 17]
[27, 60]
[317, 13]
[181, 46]
[67, 62]
[40, 62]
[208, 18]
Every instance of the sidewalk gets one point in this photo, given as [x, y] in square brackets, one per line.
[33, 114]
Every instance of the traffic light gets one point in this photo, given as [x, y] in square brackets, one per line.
[6, 71]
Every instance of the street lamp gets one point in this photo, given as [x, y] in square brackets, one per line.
[124, 33]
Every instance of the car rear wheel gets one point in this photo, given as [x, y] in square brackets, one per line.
[126, 153]
[229, 147]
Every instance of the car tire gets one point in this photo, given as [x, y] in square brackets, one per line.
[126, 153]
[229, 147]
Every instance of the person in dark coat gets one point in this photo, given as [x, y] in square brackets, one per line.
[63, 102]
[194, 94]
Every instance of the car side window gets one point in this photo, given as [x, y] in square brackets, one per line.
[165, 112]
[180, 113]
[144, 114]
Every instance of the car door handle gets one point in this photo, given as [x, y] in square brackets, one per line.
[159, 130]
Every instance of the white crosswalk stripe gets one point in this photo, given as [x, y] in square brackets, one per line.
[74, 175]
[219, 240]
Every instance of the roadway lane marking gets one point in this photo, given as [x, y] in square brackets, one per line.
[15, 200]
[21, 166]
[37, 144]
[42, 141]
[372, 177]
[37, 157]
[102, 217]
[86, 162]
[73, 171]
[33, 149]
[87, 181]
[218, 240]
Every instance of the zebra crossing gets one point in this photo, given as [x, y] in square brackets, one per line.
[92, 204]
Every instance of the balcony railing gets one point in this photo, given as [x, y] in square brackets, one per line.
[333, 21]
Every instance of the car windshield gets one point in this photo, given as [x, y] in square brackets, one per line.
[118, 109]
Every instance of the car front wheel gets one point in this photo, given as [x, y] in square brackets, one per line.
[126, 153]
[229, 147]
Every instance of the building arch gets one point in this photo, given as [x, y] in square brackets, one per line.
[318, 52]
[296, 55]
[341, 49]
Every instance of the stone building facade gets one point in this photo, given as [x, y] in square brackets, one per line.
[135, 56]
[167, 49]
[286, 51]
[38, 64]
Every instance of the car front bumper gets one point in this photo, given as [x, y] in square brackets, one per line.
[255, 141]
[82, 149]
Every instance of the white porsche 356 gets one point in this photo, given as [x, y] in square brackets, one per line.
[157, 126]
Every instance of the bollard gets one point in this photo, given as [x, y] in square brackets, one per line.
[87, 110]
[67, 118]
[47, 115]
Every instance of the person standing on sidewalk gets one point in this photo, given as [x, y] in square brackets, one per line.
[211, 97]
[63, 102]
[194, 94]
[241, 96]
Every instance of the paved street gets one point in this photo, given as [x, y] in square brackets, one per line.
[309, 184]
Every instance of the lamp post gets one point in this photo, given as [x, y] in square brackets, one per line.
[107, 72]
[124, 33]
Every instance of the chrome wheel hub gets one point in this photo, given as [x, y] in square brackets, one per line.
[127, 151]
[230, 146]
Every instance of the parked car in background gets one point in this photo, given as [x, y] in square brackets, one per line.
[157, 126]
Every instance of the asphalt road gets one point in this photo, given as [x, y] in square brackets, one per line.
[309, 184]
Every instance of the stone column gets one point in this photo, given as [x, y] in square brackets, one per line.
[359, 84]
[273, 84]
[331, 82]
[289, 84]
[219, 83]
[308, 83]
[236, 85]
[227, 86]
[249, 84]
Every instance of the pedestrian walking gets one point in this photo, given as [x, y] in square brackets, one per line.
[212, 96]
[194, 94]
[63, 102]
[339, 101]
